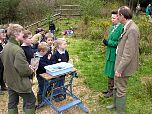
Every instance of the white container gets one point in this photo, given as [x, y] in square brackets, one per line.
[59, 68]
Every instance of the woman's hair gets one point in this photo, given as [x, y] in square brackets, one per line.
[114, 12]
[125, 11]
[14, 29]
[26, 34]
[43, 47]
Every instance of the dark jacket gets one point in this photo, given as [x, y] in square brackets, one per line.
[44, 61]
[57, 57]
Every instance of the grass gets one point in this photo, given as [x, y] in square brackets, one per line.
[91, 64]
[89, 58]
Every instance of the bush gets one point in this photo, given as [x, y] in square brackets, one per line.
[145, 35]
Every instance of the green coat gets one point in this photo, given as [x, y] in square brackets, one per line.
[114, 35]
[16, 67]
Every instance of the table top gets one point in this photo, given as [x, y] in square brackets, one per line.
[47, 76]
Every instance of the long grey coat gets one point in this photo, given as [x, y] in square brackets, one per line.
[127, 58]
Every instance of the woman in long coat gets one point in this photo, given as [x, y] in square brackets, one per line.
[111, 43]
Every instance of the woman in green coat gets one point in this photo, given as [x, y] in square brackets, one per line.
[111, 43]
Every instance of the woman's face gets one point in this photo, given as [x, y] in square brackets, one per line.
[114, 19]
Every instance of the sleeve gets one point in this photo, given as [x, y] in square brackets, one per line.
[67, 56]
[21, 64]
[129, 51]
[112, 43]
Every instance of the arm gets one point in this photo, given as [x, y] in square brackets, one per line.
[129, 51]
[21, 64]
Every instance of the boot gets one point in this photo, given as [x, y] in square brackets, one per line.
[120, 105]
[112, 106]
[110, 88]
[13, 111]
[1, 93]
[30, 111]
[109, 83]
[4, 88]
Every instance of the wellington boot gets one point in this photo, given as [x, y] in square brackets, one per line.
[30, 111]
[13, 111]
[120, 105]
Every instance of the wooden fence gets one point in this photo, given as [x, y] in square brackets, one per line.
[69, 10]
[62, 11]
[43, 22]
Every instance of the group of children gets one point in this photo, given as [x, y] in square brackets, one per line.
[49, 50]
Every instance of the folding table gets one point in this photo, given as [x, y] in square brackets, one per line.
[49, 88]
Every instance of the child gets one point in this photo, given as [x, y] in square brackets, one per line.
[49, 41]
[37, 38]
[26, 46]
[44, 61]
[2, 43]
[60, 55]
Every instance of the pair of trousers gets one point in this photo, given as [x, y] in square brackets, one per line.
[28, 99]
[120, 85]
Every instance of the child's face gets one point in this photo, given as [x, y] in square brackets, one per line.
[49, 41]
[28, 40]
[42, 53]
[63, 45]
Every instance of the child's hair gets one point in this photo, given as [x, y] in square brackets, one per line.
[26, 34]
[43, 47]
[14, 29]
[58, 42]
[49, 35]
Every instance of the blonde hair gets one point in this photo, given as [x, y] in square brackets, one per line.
[14, 29]
[43, 47]
[49, 35]
[58, 42]
[26, 34]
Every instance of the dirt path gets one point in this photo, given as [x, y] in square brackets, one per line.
[89, 99]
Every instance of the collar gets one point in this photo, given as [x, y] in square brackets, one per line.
[24, 44]
[127, 24]
[12, 40]
[61, 52]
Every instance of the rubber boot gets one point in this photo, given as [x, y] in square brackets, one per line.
[13, 111]
[113, 106]
[110, 88]
[120, 105]
[30, 111]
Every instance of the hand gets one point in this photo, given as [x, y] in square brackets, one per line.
[31, 68]
[105, 42]
[49, 56]
[117, 74]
